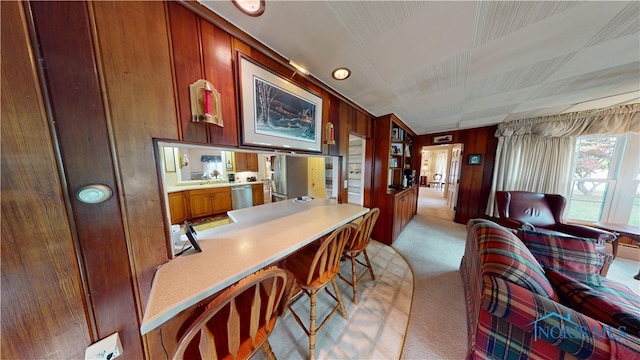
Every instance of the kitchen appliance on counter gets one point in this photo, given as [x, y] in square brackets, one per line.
[289, 177]
[232, 178]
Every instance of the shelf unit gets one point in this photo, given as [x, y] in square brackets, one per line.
[400, 150]
[397, 200]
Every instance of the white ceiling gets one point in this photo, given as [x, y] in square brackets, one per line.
[459, 64]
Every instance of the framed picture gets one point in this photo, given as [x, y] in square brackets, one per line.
[442, 139]
[474, 159]
[192, 236]
[275, 112]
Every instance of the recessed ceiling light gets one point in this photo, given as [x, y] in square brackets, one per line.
[250, 7]
[341, 73]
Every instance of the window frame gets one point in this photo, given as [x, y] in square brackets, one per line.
[622, 180]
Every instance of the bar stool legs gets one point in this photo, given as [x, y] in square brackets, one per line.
[313, 270]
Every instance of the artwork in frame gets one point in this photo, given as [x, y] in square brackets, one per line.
[275, 112]
[442, 139]
[474, 159]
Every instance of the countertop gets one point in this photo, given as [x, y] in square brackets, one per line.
[202, 184]
[259, 236]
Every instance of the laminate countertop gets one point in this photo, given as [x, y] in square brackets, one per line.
[204, 185]
[258, 237]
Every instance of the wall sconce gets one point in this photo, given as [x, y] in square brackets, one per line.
[330, 134]
[205, 103]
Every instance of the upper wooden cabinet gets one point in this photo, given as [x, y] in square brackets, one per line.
[202, 51]
[246, 161]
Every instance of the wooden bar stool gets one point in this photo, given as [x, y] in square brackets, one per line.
[360, 238]
[238, 322]
[313, 268]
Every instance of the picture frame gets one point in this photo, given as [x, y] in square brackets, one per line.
[276, 112]
[474, 159]
[441, 139]
[192, 236]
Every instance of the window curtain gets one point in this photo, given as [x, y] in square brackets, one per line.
[537, 154]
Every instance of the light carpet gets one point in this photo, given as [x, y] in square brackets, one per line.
[437, 326]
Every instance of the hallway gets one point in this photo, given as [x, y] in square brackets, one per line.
[431, 202]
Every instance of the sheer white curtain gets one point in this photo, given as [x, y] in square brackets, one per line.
[537, 154]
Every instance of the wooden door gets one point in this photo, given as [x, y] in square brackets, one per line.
[315, 173]
[178, 207]
[258, 194]
[221, 200]
[200, 203]
[454, 177]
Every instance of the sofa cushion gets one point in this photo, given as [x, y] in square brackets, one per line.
[570, 255]
[588, 301]
[503, 255]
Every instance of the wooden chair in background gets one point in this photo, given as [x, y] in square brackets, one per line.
[313, 268]
[237, 322]
[360, 238]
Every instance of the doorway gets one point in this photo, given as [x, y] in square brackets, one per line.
[439, 179]
[355, 166]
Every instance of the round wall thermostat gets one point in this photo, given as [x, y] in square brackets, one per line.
[93, 194]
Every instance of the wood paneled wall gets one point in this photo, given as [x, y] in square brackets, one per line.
[117, 73]
[43, 301]
[475, 181]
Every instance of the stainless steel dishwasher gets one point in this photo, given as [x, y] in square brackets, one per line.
[241, 196]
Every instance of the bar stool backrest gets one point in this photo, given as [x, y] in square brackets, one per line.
[237, 322]
[326, 262]
[361, 236]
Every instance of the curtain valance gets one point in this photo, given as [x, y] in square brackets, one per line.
[618, 120]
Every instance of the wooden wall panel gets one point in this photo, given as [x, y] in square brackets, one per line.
[131, 64]
[187, 61]
[64, 29]
[218, 69]
[43, 313]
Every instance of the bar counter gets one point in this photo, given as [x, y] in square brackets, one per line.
[258, 237]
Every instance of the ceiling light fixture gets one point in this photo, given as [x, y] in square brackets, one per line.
[250, 7]
[341, 73]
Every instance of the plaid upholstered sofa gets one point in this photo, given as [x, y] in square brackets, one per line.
[519, 309]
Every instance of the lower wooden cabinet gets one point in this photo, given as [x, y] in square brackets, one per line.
[405, 206]
[397, 208]
[178, 206]
[194, 204]
[258, 194]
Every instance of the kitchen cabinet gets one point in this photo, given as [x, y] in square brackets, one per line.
[179, 206]
[208, 202]
[397, 200]
[258, 194]
[246, 162]
[405, 206]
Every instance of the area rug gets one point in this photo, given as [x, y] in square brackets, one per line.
[375, 328]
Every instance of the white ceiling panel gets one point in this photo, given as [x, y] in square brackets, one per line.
[443, 65]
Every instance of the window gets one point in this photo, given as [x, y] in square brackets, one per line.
[606, 180]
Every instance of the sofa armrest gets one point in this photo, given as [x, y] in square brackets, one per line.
[543, 318]
[509, 223]
[586, 232]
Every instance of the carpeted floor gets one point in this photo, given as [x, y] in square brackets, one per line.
[437, 326]
[433, 245]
